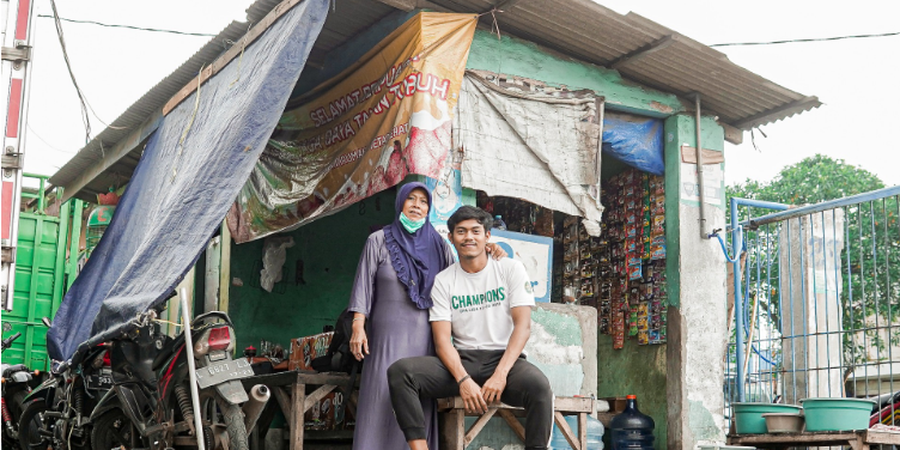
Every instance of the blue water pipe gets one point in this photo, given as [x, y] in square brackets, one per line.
[737, 244]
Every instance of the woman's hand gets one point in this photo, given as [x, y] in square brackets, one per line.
[359, 342]
[495, 251]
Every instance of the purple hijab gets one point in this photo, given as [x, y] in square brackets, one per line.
[416, 257]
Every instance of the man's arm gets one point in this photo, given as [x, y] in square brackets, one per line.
[495, 385]
[468, 389]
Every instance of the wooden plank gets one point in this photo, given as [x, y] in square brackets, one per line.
[582, 429]
[234, 51]
[317, 395]
[797, 439]
[689, 156]
[478, 425]
[881, 437]
[563, 426]
[283, 398]
[513, 423]
[732, 134]
[573, 404]
[298, 399]
[569, 405]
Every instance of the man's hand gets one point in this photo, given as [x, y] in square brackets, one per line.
[472, 396]
[493, 388]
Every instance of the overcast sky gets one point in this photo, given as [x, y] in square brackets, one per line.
[856, 79]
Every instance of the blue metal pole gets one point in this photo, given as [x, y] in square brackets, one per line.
[824, 206]
[761, 204]
[736, 241]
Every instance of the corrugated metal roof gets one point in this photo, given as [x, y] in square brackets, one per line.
[646, 52]
[640, 49]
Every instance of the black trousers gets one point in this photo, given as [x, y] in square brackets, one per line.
[426, 377]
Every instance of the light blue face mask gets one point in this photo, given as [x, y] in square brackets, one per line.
[411, 225]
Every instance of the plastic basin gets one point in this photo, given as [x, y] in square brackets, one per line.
[783, 422]
[837, 414]
[748, 417]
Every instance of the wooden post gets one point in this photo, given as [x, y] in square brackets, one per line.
[298, 400]
[582, 429]
[454, 435]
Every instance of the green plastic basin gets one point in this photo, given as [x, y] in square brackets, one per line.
[837, 414]
[748, 417]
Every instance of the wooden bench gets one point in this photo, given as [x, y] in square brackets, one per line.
[857, 440]
[456, 437]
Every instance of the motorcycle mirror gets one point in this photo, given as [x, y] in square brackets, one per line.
[46, 322]
[7, 327]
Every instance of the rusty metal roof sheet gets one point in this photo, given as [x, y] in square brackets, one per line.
[640, 49]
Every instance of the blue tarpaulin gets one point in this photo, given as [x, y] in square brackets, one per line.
[189, 175]
[636, 141]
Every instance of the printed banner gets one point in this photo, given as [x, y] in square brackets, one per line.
[362, 132]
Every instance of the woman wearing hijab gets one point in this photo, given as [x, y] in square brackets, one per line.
[392, 293]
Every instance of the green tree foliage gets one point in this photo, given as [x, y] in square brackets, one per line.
[870, 258]
[815, 179]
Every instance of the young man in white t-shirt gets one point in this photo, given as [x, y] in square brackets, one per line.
[481, 320]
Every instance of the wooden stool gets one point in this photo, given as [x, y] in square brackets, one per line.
[456, 437]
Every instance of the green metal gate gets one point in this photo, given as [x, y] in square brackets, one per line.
[40, 278]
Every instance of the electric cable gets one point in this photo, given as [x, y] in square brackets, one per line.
[85, 118]
[794, 41]
[130, 27]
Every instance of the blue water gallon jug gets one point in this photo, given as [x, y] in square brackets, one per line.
[631, 430]
[594, 434]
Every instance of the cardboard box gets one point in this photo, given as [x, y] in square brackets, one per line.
[329, 414]
[321, 415]
[307, 348]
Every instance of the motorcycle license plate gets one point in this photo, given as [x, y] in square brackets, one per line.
[219, 372]
[99, 381]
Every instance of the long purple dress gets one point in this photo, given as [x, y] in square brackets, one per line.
[396, 329]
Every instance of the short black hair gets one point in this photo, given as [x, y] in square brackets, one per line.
[467, 212]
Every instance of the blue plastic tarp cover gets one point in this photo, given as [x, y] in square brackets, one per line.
[187, 179]
[636, 141]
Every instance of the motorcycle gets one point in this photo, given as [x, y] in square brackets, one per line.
[17, 380]
[150, 403]
[57, 412]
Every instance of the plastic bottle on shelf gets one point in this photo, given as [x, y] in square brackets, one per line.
[499, 224]
[631, 429]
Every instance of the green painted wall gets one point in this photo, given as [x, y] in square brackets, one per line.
[329, 249]
[639, 370]
[513, 56]
[680, 130]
